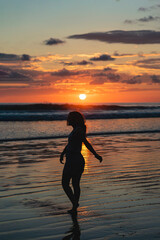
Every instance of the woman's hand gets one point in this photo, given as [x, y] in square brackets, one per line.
[61, 158]
[98, 157]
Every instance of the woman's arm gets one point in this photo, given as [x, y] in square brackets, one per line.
[62, 154]
[91, 149]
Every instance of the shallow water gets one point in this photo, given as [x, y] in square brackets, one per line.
[120, 197]
[14, 130]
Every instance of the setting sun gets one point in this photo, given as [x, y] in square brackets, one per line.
[82, 96]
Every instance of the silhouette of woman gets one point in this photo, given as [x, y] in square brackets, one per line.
[74, 164]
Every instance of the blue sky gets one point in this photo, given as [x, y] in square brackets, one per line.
[25, 24]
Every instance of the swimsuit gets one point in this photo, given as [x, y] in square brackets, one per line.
[74, 160]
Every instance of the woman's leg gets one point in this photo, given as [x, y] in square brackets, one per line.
[66, 177]
[76, 187]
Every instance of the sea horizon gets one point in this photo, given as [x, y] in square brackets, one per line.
[79, 103]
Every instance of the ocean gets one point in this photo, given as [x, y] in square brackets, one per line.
[120, 198]
[34, 121]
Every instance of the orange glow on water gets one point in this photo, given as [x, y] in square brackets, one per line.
[85, 153]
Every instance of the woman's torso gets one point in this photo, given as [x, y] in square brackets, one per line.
[74, 147]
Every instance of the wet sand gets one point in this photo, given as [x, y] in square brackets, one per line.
[120, 198]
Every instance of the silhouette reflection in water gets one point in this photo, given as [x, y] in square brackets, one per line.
[75, 231]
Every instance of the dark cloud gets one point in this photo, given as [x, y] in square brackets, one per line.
[148, 19]
[9, 57]
[3, 73]
[103, 57]
[25, 57]
[144, 19]
[64, 73]
[120, 36]
[83, 62]
[103, 77]
[155, 79]
[14, 77]
[17, 75]
[14, 57]
[100, 74]
[23, 78]
[108, 69]
[144, 9]
[151, 63]
[113, 77]
[122, 55]
[53, 41]
[134, 80]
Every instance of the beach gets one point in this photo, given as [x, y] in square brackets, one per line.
[80, 108]
[120, 198]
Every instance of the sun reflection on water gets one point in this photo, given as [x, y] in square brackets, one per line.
[85, 153]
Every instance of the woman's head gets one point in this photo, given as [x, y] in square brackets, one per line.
[76, 119]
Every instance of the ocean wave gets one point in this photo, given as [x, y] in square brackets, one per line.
[52, 112]
[89, 134]
[53, 116]
[50, 106]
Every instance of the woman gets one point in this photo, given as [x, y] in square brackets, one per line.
[74, 165]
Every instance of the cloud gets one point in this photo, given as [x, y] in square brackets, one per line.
[13, 57]
[155, 79]
[127, 21]
[14, 77]
[113, 77]
[103, 77]
[17, 75]
[139, 54]
[134, 80]
[81, 63]
[84, 62]
[144, 9]
[9, 57]
[3, 73]
[144, 78]
[103, 57]
[98, 81]
[144, 19]
[64, 73]
[53, 41]
[120, 36]
[25, 57]
[148, 19]
[116, 54]
[151, 63]
[108, 69]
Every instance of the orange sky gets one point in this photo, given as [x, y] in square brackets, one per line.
[105, 51]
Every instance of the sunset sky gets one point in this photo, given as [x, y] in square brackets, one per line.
[54, 50]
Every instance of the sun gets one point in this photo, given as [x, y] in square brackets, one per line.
[82, 96]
